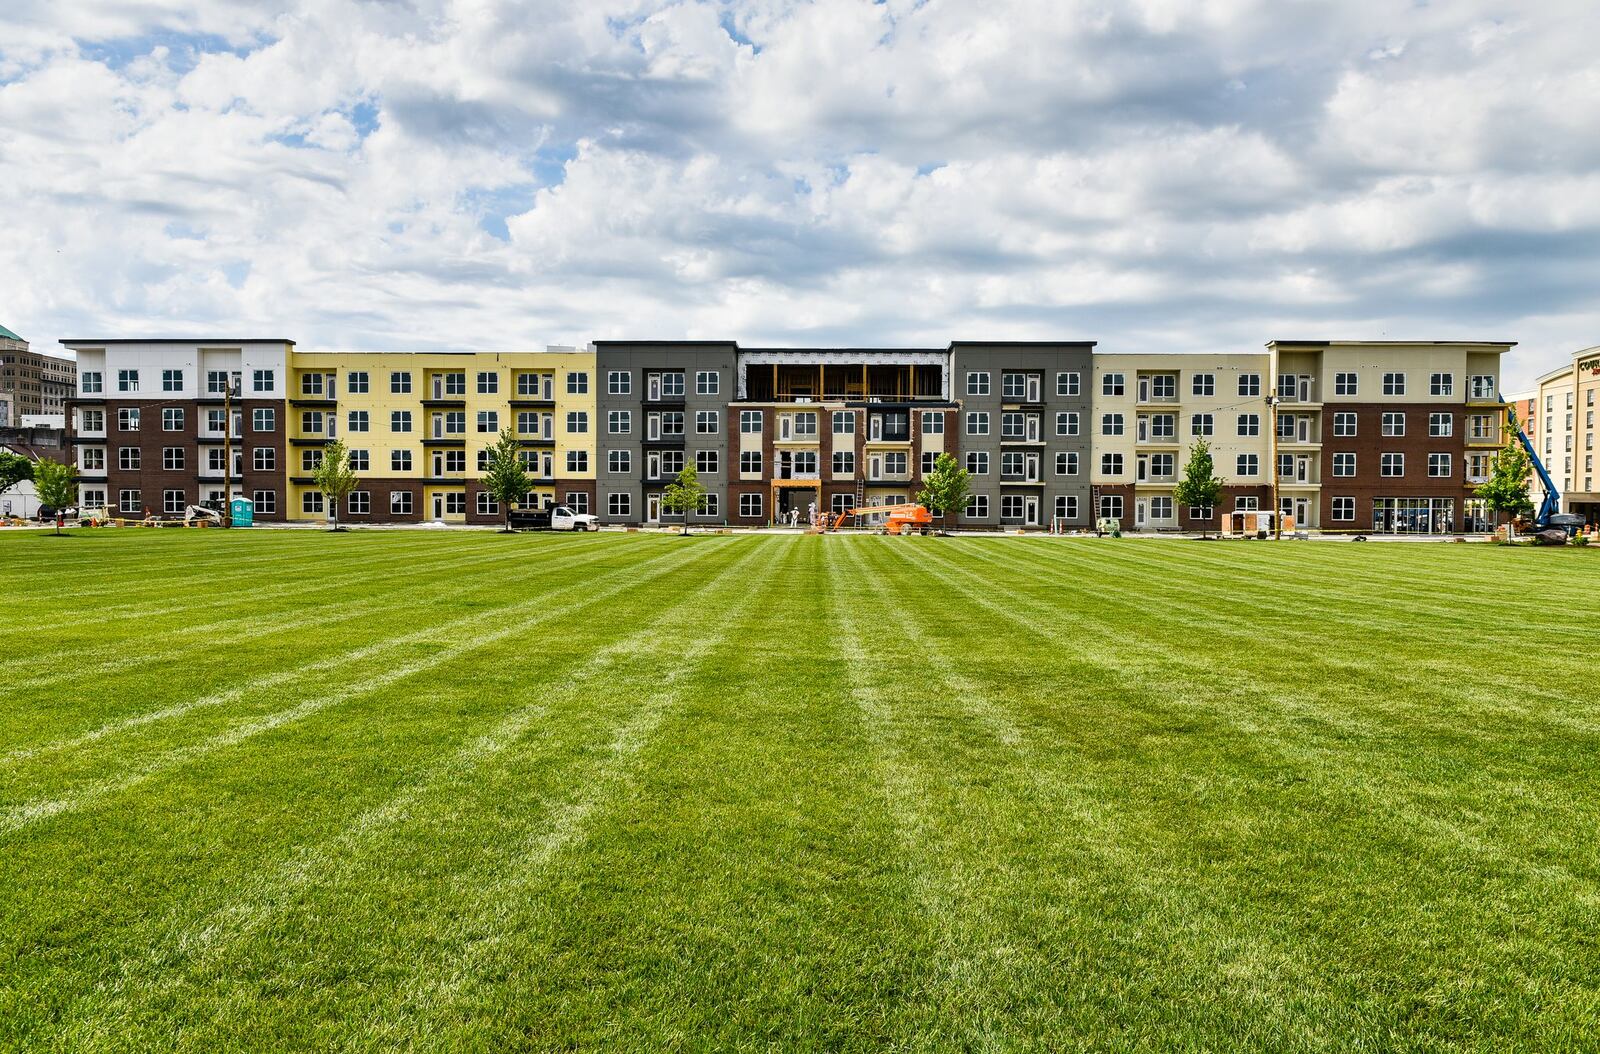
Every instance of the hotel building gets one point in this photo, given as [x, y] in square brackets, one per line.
[1562, 429]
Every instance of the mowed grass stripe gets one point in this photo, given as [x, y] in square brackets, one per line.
[386, 642]
[186, 944]
[463, 635]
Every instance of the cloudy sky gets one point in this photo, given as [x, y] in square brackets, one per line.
[1152, 174]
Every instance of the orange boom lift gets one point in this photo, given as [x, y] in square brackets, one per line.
[902, 519]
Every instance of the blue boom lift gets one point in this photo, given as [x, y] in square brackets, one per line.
[1548, 514]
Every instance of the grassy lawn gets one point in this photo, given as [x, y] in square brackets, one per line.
[475, 792]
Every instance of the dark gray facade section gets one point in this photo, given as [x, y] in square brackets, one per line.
[624, 495]
[1047, 486]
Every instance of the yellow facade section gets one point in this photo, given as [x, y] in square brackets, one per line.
[428, 418]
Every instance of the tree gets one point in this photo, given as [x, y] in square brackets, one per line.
[1506, 489]
[55, 484]
[14, 468]
[1200, 485]
[685, 495]
[334, 478]
[945, 489]
[507, 478]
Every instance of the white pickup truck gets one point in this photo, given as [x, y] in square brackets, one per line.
[555, 518]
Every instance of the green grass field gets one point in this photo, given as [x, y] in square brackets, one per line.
[474, 792]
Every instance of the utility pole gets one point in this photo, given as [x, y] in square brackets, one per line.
[1277, 510]
[227, 451]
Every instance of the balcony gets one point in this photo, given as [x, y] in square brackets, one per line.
[447, 402]
[1016, 480]
[530, 402]
[314, 402]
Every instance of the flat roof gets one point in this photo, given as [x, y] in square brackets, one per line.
[1397, 343]
[100, 341]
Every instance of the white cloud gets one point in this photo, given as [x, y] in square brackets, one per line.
[489, 173]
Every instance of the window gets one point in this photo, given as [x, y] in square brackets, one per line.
[310, 460]
[1164, 386]
[400, 503]
[359, 421]
[1345, 384]
[1013, 425]
[1202, 425]
[92, 383]
[1163, 426]
[455, 503]
[128, 500]
[1011, 507]
[577, 421]
[172, 419]
[1066, 506]
[486, 505]
[128, 419]
[1441, 384]
[127, 381]
[488, 382]
[311, 502]
[977, 506]
[1066, 463]
[619, 461]
[577, 384]
[1201, 512]
[488, 421]
[618, 382]
[618, 422]
[750, 462]
[1014, 386]
[578, 501]
[1394, 384]
[707, 382]
[94, 420]
[1111, 464]
[1067, 384]
[172, 458]
[263, 419]
[311, 384]
[894, 462]
[1204, 384]
[1439, 466]
[528, 385]
[1394, 423]
[1441, 424]
[978, 423]
[1247, 465]
[1344, 464]
[1111, 506]
[844, 462]
[1250, 384]
[842, 503]
[400, 421]
[1113, 384]
[705, 421]
[672, 385]
[1344, 509]
[844, 422]
[749, 505]
[266, 501]
[1344, 423]
[1161, 508]
[360, 503]
[977, 384]
[311, 421]
[618, 504]
[932, 423]
[577, 461]
[360, 461]
[128, 458]
[172, 501]
[400, 384]
[978, 462]
[400, 460]
[1392, 465]
[707, 462]
[926, 462]
[172, 381]
[1111, 424]
[750, 422]
[355, 382]
[1249, 424]
[1067, 423]
[93, 459]
[455, 384]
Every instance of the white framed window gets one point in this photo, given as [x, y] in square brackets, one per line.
[1484, 387]
[172, 458]
[933, 422]
[266, 501]
[1250, 384]
[1392, 465]
[1249, 424]
[1066, 462]
[311, 502]
[1111, 506]
[360, 461]
[1439, 466]
[92, 383]
[750, 462]
[1440, 384]
[127, 380]
[577, 384]
[400, 421]
[1441, 424]
[400, 461]
[1111, 424]
[172, 381]
[577, 461]
[844, 422]
[1068, 383]
[359, 503]
[1344, 423]
[1203, 384]
[1346, 384]
[1066, 422]
[172, 419]
[977, 507]
[577, 421]
[1394, 423]
[713, 503]
[619, 504]
[355, 382]
[750, 422]
[1344, 509]
[707, 382]
[926, 461]
[706, 422]
[977, 383]
[128, 458]
[619, 461]
[358, 421]
[1344, 464]
[978, 462]
[1247, 465]
[128, 419]
[485, 504]
[977, 422]
[172, 501]
[400, 502]
[1394, 384]
[750, 506]
[618, 382]
[128, 500]
[1111, 464]
[707, 462]
[618, 422]
[1066, 506]
[1113, 384]
[1201, 512]
[488, 421]
[1202, 424]
[844, 462]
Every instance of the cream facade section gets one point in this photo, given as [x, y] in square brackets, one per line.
[419, 426]
[1565, 431]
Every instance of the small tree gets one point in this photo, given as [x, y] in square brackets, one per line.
[1200, 484]
[507, 478]
[14, 468]
[685, 495]
[1506, 489]
[334, 478]
[53, 482]
[945, 489]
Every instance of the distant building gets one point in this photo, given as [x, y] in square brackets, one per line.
[31, 383]
[33, 444]
[1561, 424]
